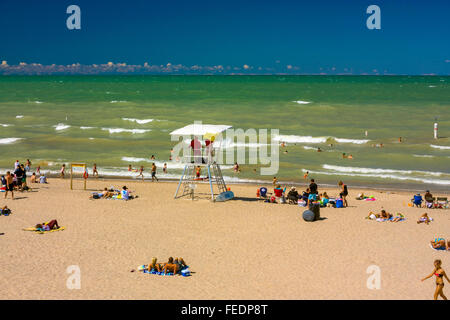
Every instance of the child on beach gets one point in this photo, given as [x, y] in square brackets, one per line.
[424, 219]
[141, 173]
[440, 275]
[305, 176]
[94, 170]
[275, 181]
[62, 172]
[165, 168]
[198, 172]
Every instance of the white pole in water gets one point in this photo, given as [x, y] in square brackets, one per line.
[435, 130]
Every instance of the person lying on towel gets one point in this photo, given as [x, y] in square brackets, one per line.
[439, 243]
[47, 226]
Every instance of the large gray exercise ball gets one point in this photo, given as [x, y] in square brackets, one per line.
[308, 215]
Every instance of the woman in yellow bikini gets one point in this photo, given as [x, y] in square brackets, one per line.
[440, 274]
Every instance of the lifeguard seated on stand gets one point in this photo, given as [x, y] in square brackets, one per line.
[196, 146]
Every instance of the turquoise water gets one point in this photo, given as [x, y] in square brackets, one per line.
[61, 119]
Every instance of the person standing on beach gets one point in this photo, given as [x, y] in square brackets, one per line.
[9, 185]
[141, 173]
[165, 167]
[28, 165]
[62, 172]
[344, 193]
[275, 181]
[154, 172]
[38, 170]
[16, 164]
[94, 170]
[305, 176]
[313, 187]
[440, 274]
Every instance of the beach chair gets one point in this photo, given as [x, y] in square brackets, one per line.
[442, 202]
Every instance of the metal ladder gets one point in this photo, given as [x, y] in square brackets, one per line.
[219, 178]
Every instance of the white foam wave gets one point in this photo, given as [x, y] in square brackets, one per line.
[140, 121]
[117, 101]
[299, 139]
[5, 125]
[19, 116]
[120, 130]
[440, 147]
[38, 102]
[302, 102]
[310, 139]
[160, 164]
[86, 128]
[383, 176]
[309, 148]
[378, 170]
[61, 126]
[9, 140]
[356, 141]
[423, 156]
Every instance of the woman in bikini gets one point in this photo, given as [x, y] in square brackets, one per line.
[440, 275]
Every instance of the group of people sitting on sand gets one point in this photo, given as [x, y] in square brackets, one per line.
[385, 216]
[111, 193]
[310, 195]
[173, 266]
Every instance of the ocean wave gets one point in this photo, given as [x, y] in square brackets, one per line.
[120, 130]
[160, 163]
[9, 140]
[86, 128]
[38, 102]
[5, 125]
[61, 126]
[299, 139]
[356, 141]
[117, 101]
[19, 116]
[440, 147]
[382, 176]
[423, 156]
[302, 102]
[309, 148]
[379, 170]
[140, 121]
[310, 139]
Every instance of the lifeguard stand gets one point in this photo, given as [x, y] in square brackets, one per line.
[205, 159]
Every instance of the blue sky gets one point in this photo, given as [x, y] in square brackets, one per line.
[321, 35]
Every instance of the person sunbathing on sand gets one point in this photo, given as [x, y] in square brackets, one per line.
[170, 266]
[424, 218]
[439, 243]
[440, 275]
[385, 215]
[47, 226]
[104, 194]
[154, 266]
[373, 216]
[398, 218]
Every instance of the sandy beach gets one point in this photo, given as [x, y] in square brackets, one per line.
[240, 249]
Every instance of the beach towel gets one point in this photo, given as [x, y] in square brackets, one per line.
[41, 232]
[437, 249]
[184, 272]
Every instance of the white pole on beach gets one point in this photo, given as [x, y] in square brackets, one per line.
[435, 130]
